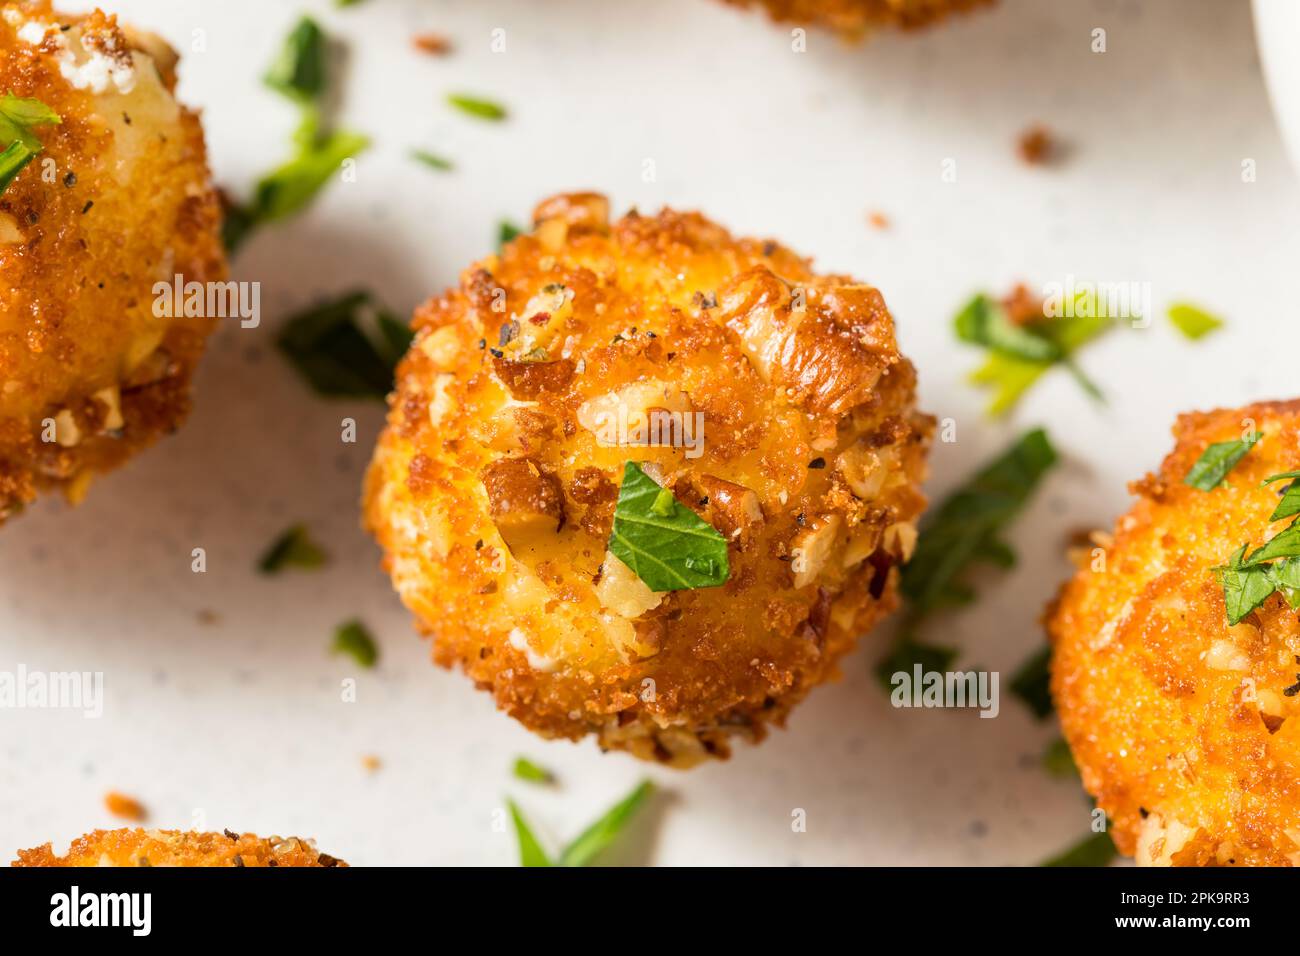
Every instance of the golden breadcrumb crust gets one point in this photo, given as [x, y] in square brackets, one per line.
[1183, 727]
[493, 495]
[854, 18]
[179, 848]
[120, 199]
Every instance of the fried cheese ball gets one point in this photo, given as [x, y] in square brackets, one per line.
[118, 200]
[494, 487]
[179, 848]
[1187, 729]
[855, 18]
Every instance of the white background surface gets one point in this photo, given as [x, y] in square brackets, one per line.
[239, 724]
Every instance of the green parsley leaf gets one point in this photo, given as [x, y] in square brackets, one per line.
[289, 189]
[294, 548]
[1018, 356]
[507, 232]
[530, 850]
[1057, 759]
[19, 116]
[477, 107]
[1290, 503]
[346, 3]
[1032, 683]
[17, 119]
[966, 526]
[432, 160]
[342, 354]
[907, 653]
[675, 551]
[1244, 588]
[1217, 460]
[525, 769]
[12, 162]
[354, 640]
[299, 72]
[1285, 544]
[601, 834]
[984, 322]
[1096, 850]
[1285, 575]
[1195, 323]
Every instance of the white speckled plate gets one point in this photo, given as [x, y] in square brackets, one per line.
[222, 703]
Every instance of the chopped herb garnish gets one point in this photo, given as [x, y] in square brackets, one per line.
[1290, 503]
[290, 188]
[1020, 354]
[600, 835]
[301, 73]
[965, 529]
[1195, 323]
[18, 117]
[670, 551]
[1095, 850]
[1031, 683]
[1217, 460]
[477, 107]
[1244, 588]
[1057, 759]
[432, 160]
[525, 769]
[340, 353]
[300, 70]
[506, 232]
[594, 840]
[530, 850]
[294, 548]
[907, 653]
[354, 640]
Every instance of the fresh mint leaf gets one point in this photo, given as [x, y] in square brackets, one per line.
[1032, 683]
[294, 548]
[966, 527]
[1096, 850]
[670, 552]
[1194, 322]
[354, 640]
[1217, 461]
[530, 849]
[600, 835]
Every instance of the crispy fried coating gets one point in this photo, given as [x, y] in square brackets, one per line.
[493, 489]
[179, 848]
[855, 18]
[1187, 730]
[119, 200]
